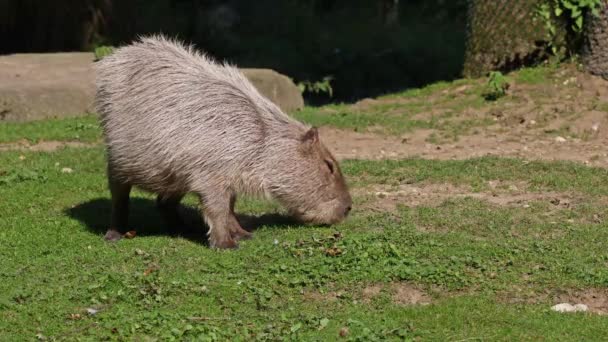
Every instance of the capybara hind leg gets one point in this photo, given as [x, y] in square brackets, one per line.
[120, 209]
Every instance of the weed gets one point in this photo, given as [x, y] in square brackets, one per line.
[496, 87]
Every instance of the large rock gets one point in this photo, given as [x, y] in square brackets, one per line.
[276, 87]
[38, 86]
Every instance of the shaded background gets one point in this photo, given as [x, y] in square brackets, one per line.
[368, 47]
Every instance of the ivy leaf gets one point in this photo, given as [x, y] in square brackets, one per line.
[558, 11]
[579, 22]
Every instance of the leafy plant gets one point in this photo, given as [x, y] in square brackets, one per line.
[102, 51]
[572, 12]
[323, 86]
[497, 86]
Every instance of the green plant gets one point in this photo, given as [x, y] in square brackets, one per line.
[572, 12]
[102, 51]
[497, 86]
[323, 86]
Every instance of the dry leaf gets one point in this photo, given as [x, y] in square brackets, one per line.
[130, 234]
[333, 251]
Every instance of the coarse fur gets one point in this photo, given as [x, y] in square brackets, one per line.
[176, 122]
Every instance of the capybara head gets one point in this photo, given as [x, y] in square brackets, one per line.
[310, 183]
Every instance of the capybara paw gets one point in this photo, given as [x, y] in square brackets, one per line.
[112, 235]
[241, 235]
[225, 244]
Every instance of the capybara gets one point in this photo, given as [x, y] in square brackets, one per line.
[176, 122]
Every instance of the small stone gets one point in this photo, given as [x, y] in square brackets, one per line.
[92, 311]
[66, 170]
[532, 122]
[382, 194]
[560, 139]
[526, 206]
[563, 307]
[580, 308]
[595, 127]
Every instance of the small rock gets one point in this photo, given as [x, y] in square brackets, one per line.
[567, 307]
[580, 308]
[382, 194]
[595, 127]
[92, 311]
[563, 307]
[560, 139]
[532, 122]
[66, 170]
[526, 206]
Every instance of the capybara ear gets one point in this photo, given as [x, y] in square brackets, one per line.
[311, 136]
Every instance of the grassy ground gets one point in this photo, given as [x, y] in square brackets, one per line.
[458, 268]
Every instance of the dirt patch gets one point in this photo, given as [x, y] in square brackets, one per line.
[407, 294]
[370, 292]
[347, 144]
[401, 293]
[330, 296]
[596, 299]
[43, 146]
[563, 118]
[387, 198]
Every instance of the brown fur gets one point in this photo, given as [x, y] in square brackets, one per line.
[176, 122]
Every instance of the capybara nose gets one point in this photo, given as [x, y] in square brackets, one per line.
[347, 210]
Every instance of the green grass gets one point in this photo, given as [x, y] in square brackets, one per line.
[469, 255]
[85, 129]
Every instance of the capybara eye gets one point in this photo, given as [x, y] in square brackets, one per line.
[330, 166]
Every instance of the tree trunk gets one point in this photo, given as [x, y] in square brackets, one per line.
[62, 25]
[502, 35]
[595, 44]
[389, 12]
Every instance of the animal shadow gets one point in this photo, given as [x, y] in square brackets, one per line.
[145, 219]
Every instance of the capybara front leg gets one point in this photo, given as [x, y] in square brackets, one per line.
[120, 209]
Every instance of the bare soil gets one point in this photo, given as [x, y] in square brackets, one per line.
[386, 198]
[565, 118]
[43, 146]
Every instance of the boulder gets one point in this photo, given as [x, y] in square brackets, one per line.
[276, 87]
[39, 86]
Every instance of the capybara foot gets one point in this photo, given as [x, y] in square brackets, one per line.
[228, 243]
[241, 234]
[112, 235]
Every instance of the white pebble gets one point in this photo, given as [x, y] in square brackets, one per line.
[581, 308]
[66, 170]
[563, 307]
[560, 139]
[567, 307]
